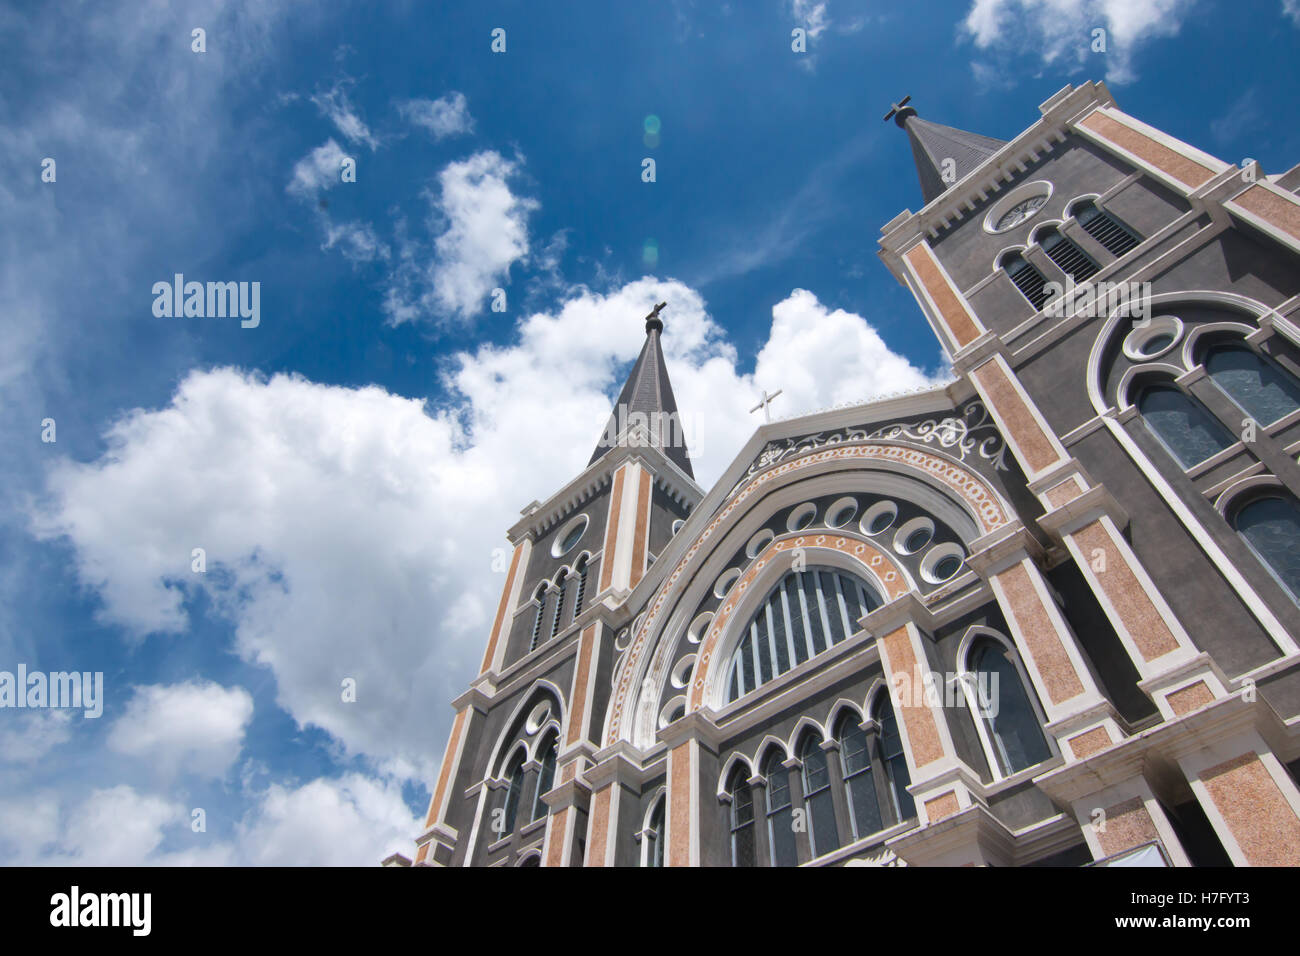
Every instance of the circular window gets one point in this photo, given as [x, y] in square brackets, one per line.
[879, 517]
[537, 717]
[681, 675]
[801, 517]
[758, 542]
[569, 536]
[725, 581]
[942, 563]
[1018, 206]
[1153, 339]
[913, 536]
[841, 512]
[674, 709]
[695, 633]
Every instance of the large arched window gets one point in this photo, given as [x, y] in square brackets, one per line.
[1271, 527]
[742, 818]
[514, 791]
[894, 760]
[1182, 424]
[823, 834]
[1003, 708]
[805, 614]
[654, 855]
[859, 781]
[1261, 389]
[780, 811]
[546, 775]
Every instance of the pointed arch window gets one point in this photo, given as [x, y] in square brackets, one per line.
[893, 759]
[1027, 278]
[514, 791]
[546, 775]
[823, 835]
[805, 614]
[1270, 526]
[1182, 424]
[1115, 236]
[580, 575]
[742, 818]
[1074, 262]
[540, 598]
[1255, 383]
[780, 811]
[654, 855]
[1002, 706]
[859, 782]
[559, 602]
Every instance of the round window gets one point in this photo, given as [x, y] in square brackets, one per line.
[947, 566]
[879, 517]
[801, 517]
[913, 536]
[569, 536]
[841, 512]
[942, 562]
[1018, 206]
[917, 540]
[1153, 338]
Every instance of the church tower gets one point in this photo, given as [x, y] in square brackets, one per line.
[512, 785]
[1043, 614]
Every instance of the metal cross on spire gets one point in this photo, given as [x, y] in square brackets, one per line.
[652, 321]
[766, 404]
[900, 111]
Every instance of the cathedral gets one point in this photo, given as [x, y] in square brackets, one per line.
[1046, 614]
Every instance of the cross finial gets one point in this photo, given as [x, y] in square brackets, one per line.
[652, 321]
[900, 111]
[766, 404]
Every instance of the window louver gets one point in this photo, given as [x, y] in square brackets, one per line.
[1116, 237]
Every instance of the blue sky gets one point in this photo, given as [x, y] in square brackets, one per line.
[349, 466]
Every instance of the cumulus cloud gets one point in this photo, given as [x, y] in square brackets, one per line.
[1061, 30]
[356, 240]
[446, 116]
[1291, 10]
[811, 15]
[320, 169]
[196, 727]
[350, 532]
[482, 231]
[27, 736]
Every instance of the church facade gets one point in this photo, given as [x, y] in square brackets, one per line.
[1046, 614]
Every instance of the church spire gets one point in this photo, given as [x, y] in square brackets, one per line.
[934, 145]
[646, 412]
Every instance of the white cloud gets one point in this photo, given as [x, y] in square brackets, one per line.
[1060, 31]
[335, 105]
[30, 735]
[1291, 10]
[811, 15]
[483, 232]
[446, 116]
[357, 241]
[320, 169]
[198, 727]
[350, 532]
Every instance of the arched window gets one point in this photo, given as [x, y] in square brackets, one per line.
[1271, 527]
[1073, 261]
[1182, 424]
[655, 834]
[1260, 389]
[1026, 277]
[805, 614]
[822, 832]
[540, 598]
[559, 603]
[1105, 228]
[514, 790]
[1003, 708]
[859, 782]
[581, 575]
[742, 818]
[780, 811]
[894, 760]
[546, 775]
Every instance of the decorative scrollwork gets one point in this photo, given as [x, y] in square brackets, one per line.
[958, 435]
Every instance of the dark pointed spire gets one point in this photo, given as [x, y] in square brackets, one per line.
[646, 406]
[933, 143]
